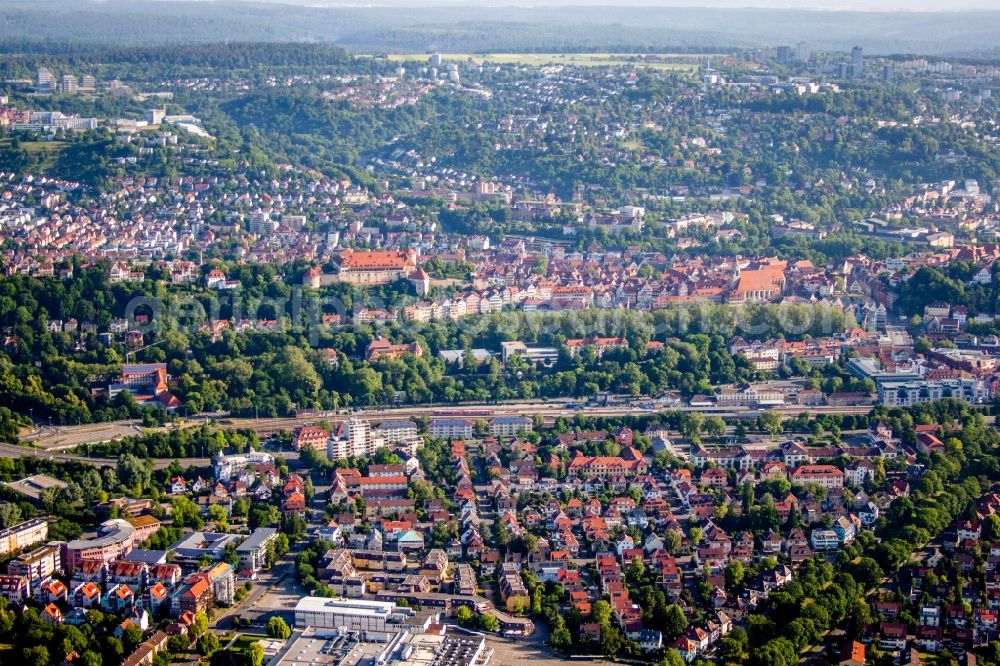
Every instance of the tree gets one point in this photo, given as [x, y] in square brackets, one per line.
[217, 514]
[241, 507]
[600, 612]
[735, 574]
[208, 644]
[281, 545]
[278, 628]
[489, 623]
[200, 624]
[715, 426]
[131, 638]
[10, 515]
[776, 652]
[691, 425]
[672, 658]
[298, 376]
[866, 571]
[36, 656]
[770, 422]
[186, 513]
[264, 516]
[421, 490]
[612, 640]
[91, 658]
[133, 471]
[178, 643]
[674, 622]
[256, 654]
[729, 650]
[464, 616]
[519, 605]
[560, 639]
[991, 527]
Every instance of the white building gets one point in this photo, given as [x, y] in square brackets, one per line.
[451, 428]
[225, 465]
[253, 551]
[398, 430]
[544, 356]
[510, 426]
[824, 540]
[377, 620]
[261, 223]
[358, 440]
[904, 394]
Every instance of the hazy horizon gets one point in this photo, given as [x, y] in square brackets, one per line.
[964, 27]
[811, 5]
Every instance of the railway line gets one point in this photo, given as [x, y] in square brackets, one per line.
[53, 442]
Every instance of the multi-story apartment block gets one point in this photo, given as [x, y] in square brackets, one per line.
[451, 428]
[903, 394]
[826, 476]
[38, 564]
[398, 430]
[253, 551]
[22, 535]
[357, 439]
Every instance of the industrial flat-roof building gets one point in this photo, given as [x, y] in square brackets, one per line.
[433, 647]
[376, 620]
[33, 486]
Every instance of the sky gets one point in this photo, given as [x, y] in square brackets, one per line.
[831, 5]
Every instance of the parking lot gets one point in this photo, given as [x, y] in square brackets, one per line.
[515, 653]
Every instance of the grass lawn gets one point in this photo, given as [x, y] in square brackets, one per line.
[244, 641]
[575, 59]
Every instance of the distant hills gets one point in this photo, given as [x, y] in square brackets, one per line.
[468, 28]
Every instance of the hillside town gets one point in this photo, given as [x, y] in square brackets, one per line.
[310, 357]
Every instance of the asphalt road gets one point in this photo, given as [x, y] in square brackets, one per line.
[267, 583]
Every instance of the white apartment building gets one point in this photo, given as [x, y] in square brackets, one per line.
[904, 394]
[359, 440]
[452, 428]
[398, 430]
[509, 426]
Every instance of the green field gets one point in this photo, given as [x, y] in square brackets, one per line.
[45, 151]
[243, 643]
[652, 60]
